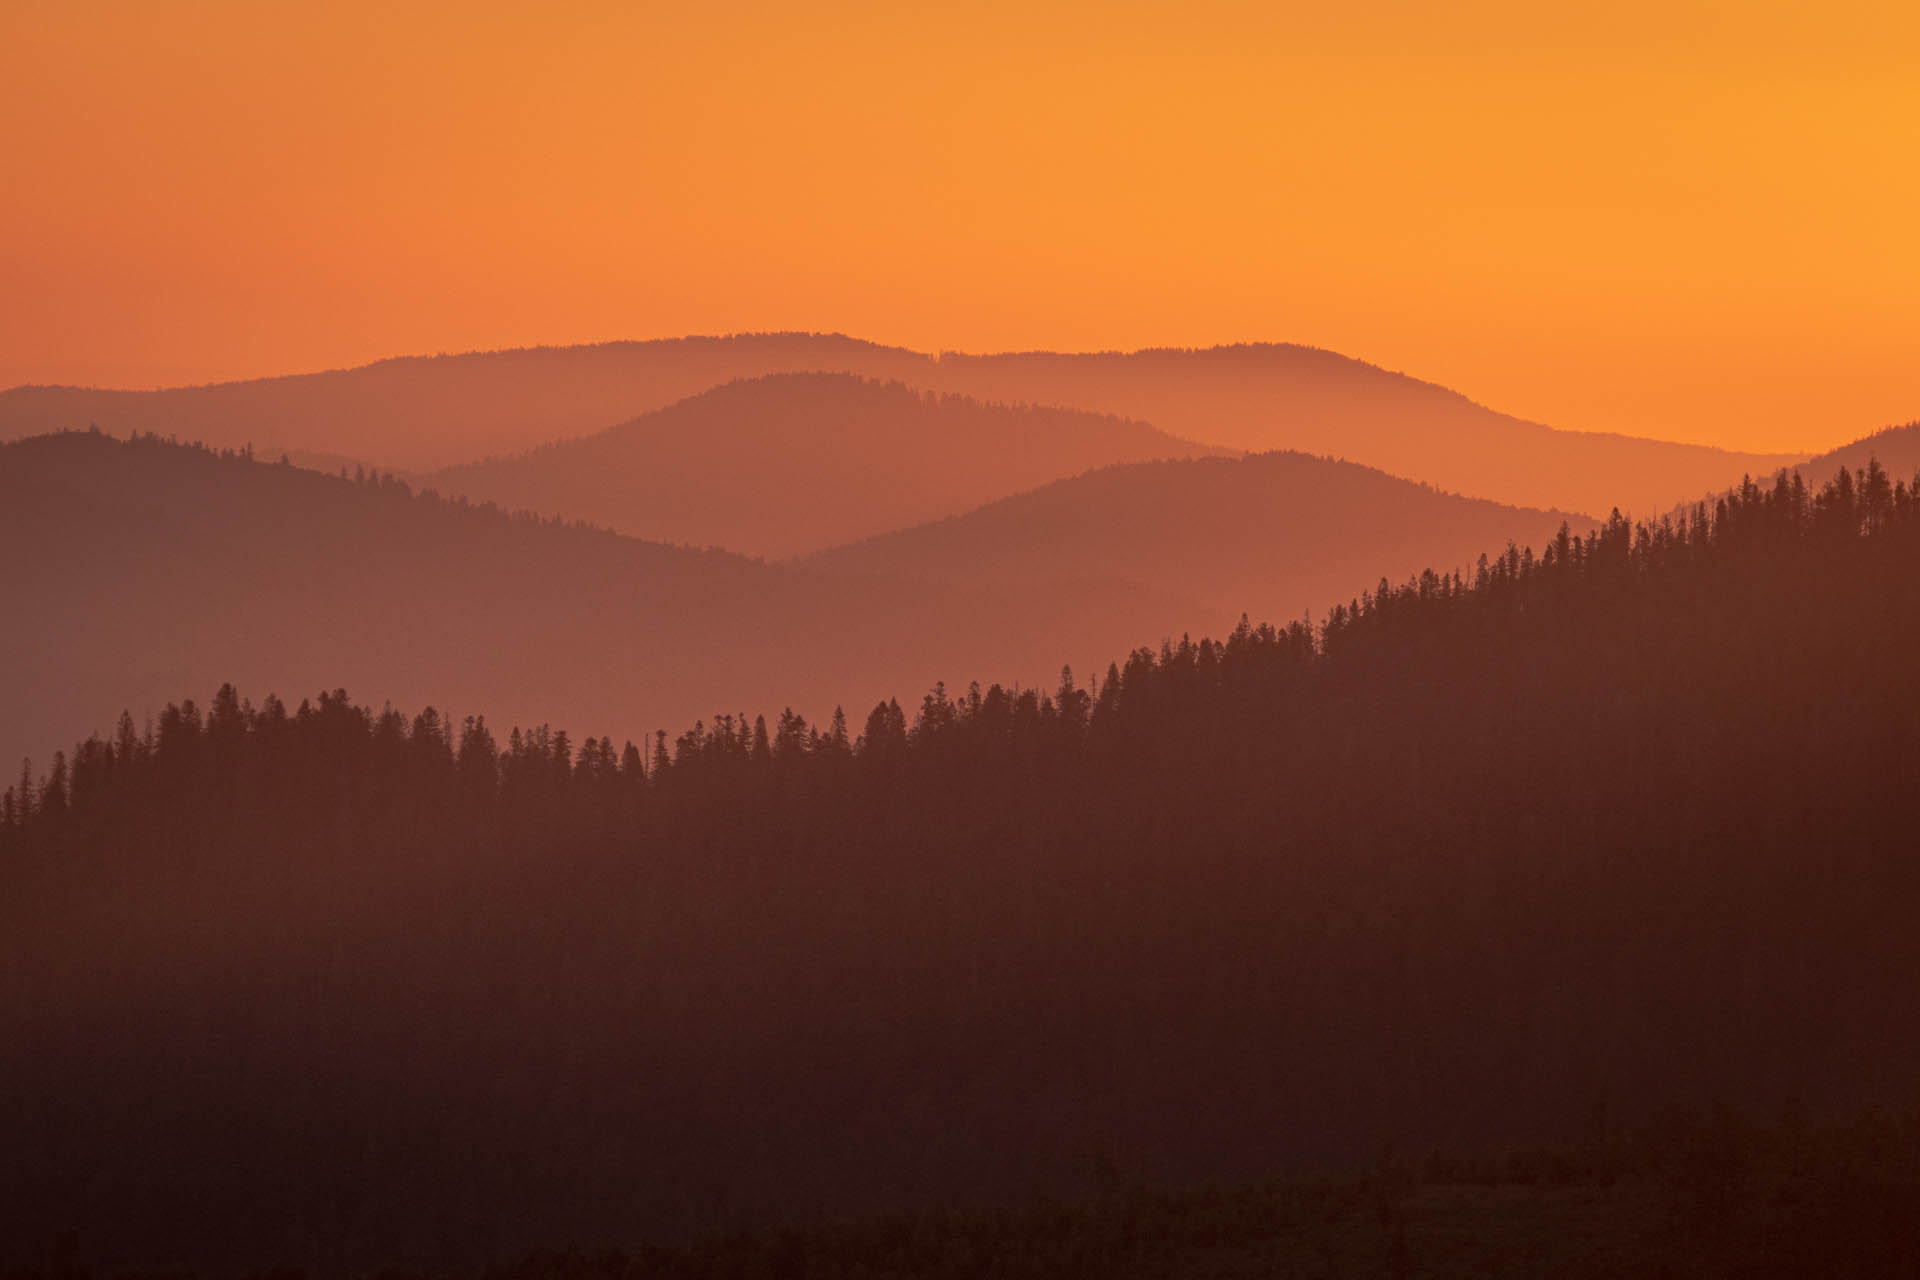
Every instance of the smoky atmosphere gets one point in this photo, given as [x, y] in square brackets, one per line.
[970, 640]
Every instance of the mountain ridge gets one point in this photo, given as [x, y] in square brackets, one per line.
[165, 565]
[788, 463]
[424, 412]
[1274, 534]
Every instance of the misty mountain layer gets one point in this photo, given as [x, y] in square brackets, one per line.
[419, 413]
[146, 566]
[791, 463]
[1278, 535]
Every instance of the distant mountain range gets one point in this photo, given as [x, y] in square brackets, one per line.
[795, 462]
[166, 570]
[1265, 396]
[1277, 534]
[144, 572]
[932, 534]
[421, 413]
[417, 413]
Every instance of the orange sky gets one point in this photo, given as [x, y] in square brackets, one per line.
[1686, 220]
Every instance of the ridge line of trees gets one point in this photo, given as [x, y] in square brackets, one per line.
[1866, 505]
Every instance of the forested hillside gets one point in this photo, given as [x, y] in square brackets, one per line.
[1616, 828]
[142, 568]
[1895, 448]
[791, 463]
[1281, 535]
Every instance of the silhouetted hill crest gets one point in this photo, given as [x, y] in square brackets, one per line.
[158, 564]
[419, 413]
[788, 463]
[1277, 534]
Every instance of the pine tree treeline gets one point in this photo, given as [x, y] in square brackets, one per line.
[1581, 838]
[1847, 509]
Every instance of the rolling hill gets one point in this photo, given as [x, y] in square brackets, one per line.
[791, 463]
[1264, 396]
[419, 413]
[1607, 852]
[141, 569]
[1895, 448]
[1274, 534]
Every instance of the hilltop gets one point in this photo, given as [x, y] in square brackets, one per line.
[1277, 535]
[157, 565]
[418, 413]
[790, 463]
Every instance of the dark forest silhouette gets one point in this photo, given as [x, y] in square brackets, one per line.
[420, 413]
[1585, 836]
[1897, 449]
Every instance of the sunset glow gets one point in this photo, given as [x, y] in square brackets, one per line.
[1687, 221]
[661, 640]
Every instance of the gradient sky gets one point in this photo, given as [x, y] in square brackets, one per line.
[1687, 220]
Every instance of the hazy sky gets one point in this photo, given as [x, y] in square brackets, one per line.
[1668, 218]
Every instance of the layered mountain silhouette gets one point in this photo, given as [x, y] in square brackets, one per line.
[1265, 396]
[1277, 534]
[791, 463]
[419, 413]
[141, 568]
[1612, 838]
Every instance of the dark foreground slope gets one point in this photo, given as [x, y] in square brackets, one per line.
[137, 569]
[1698, 1201]
[792, 463]
[1613, 833]
[418, 413]
[1280, 535]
